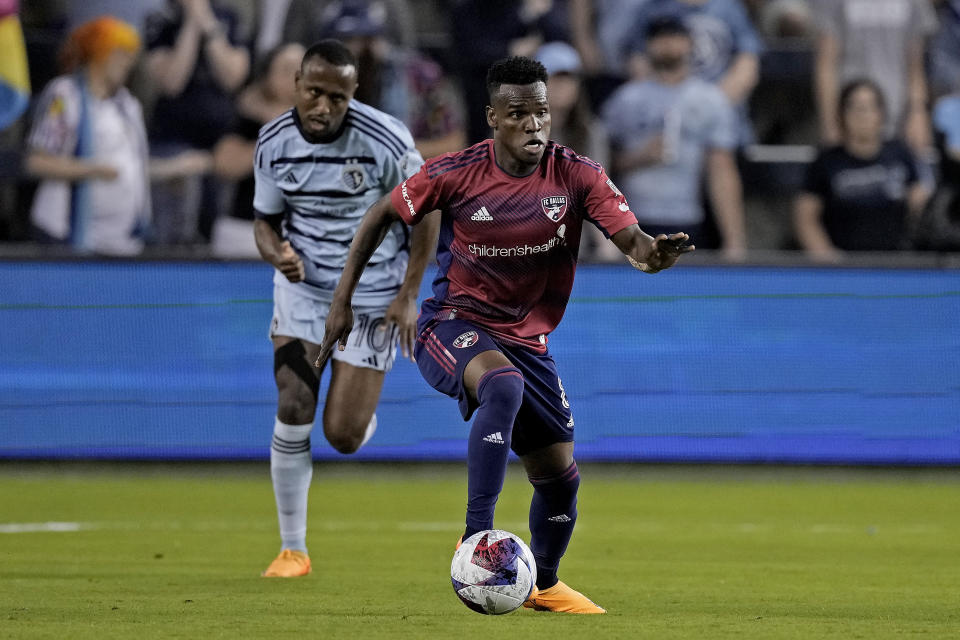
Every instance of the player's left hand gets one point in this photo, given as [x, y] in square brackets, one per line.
[402, 312]
[337, 330]
[666, 249]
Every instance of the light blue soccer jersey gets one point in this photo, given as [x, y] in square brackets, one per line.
[693, 117]
[323, 190]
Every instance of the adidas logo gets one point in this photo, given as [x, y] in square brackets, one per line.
[482, 215]
[560, 518]
[494, 438]
[290, 178]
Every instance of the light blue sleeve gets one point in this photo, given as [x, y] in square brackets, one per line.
[745, 36]
[267, 196]
[396, 170]
[946, 118]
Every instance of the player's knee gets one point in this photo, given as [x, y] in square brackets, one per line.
[344, 435]
[505, 386]
[296, 407]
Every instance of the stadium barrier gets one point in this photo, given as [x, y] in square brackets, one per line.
[756, 364]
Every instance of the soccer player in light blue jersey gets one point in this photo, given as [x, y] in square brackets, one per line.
[317, 168]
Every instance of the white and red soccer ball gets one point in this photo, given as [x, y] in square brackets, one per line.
[493, 572]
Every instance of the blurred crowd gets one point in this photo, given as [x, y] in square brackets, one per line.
[825, 126]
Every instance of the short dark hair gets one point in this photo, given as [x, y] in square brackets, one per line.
[514, 70]
[846, 93]
[333, 51]
[666, 26]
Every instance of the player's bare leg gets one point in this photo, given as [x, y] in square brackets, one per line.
[349, 418]
[553, 514]
[291, 463]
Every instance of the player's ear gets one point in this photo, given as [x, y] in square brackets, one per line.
[491, 117]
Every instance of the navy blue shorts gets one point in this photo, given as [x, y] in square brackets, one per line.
[445, 347]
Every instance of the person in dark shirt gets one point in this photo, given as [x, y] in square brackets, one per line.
[197, 59]
[511, 213]
[862, 194]
[270, 94]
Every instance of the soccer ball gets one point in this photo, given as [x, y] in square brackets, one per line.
[493, 572]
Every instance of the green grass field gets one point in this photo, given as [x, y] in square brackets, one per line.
[175, 551]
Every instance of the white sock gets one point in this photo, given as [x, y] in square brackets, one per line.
[371, 429]
[291, 467]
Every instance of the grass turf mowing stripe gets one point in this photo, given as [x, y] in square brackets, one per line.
[717, 553]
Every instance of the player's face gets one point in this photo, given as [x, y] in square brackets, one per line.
[323, 93]
[520, 118]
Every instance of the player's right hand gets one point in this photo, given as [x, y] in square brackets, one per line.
[336, 332]
[290, 264]
[666, 249]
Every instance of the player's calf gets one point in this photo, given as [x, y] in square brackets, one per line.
[553, 514]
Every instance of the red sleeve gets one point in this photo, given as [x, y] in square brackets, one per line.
[416, 196]
[606, 206]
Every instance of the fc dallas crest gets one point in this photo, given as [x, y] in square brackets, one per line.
[554, 206]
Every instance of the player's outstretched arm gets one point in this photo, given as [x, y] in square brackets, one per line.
[649, 254]
[374, 226]
[403, 310]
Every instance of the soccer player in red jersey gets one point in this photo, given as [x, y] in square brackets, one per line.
[511, 209]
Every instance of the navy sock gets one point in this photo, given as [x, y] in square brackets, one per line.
[553, 513]
[500, 392]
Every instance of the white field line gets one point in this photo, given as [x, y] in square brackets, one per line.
[43, 527]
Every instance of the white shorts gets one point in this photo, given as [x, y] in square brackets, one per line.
[299, 316]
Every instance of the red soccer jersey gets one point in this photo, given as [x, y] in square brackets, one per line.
[508, 246]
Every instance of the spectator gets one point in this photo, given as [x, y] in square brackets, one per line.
[302, 21]
[88, 146]
[484, 31]
[944, 50]
[271, 93]
[573, 125]
[939, 228]
[861, 194]
[726, 48]
[881, 40]
[666, 133]
[601, 32]
[398, 81]
[134, 12]
[197, 61]
[783, 18]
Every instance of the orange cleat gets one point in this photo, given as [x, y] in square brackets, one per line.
[562, 599]
[289, 564]
[459, 542]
